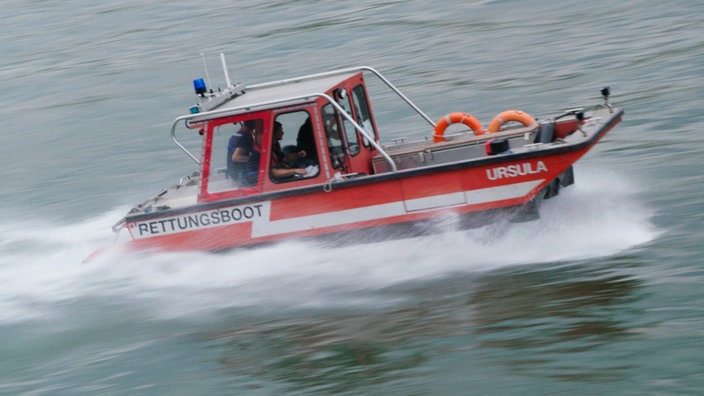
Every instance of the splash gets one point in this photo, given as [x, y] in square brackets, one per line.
[41, 264]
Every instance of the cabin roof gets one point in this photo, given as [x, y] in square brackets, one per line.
[259, 95]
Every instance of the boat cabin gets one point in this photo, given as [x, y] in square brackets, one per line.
[283, 135]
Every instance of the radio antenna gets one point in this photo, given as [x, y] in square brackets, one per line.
[224, 69]
[205, 66]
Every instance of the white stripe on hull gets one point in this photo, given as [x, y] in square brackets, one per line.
[259, 214]
[375, 212]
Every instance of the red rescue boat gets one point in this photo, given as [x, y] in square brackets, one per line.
[329, 174]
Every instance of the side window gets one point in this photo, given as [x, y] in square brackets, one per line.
[351, 135]
[332, 136]
[236, 155]
[364, 116]
[293, 152]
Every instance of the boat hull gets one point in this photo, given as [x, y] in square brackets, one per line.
[398, 202]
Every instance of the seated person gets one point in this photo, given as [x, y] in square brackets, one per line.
[276, 145]
[239, 147]
[249, 176]
[291, 165]
[306, 140]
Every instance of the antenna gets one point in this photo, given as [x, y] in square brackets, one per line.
[202, 57]
[224, 69]
[210, 100]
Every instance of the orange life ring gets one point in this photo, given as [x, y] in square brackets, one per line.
[508, 116]
[453, 118]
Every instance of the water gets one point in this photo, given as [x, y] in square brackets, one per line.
[601, 295]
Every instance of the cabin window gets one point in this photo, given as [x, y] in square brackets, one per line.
[351, 135]
[342, 137]
[364, 115]
[293, 152]
[236, 155]
[332, 124]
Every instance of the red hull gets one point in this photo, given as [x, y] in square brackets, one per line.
[386, 202]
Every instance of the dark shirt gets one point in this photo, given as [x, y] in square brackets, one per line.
[276, 149]
[306, 139]
[250, 174]
[242, 139]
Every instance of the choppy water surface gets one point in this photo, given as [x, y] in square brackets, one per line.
[603, 294]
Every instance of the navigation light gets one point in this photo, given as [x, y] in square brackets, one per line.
[199, 86]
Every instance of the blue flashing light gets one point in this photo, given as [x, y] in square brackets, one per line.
[195, 110]
[199, 86]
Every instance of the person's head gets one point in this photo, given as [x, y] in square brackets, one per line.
[250, 124]
[278, 131]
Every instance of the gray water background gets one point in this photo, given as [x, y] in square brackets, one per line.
[603, 294]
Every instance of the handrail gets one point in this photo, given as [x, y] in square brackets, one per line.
[173, 137]
[400, 94]
[361, 130]
[350, 70]
[207, 115]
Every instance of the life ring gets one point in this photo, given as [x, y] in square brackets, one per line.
[453, 118]
[508, 116]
